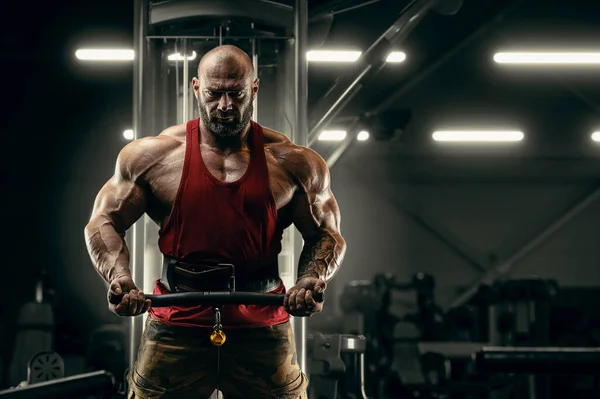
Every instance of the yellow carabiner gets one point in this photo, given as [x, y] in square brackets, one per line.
[217, 337]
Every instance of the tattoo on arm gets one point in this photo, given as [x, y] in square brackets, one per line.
[320, 258]
[317, 217]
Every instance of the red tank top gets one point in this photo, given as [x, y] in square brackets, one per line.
[218, 222]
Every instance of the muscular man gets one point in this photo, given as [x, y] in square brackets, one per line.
[222, 189]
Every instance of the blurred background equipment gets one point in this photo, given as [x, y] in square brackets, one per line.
[499, 345]
[34, 332]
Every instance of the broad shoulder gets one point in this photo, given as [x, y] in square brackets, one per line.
[139, 156]
[305, 165]
[274, 137]
[175, 132]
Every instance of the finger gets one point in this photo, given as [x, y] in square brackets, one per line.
[320, 286]
[132, 302]
[122, 308]
[141, 302]
[300, 302]
[143, 307]
[292, 301]
[115, 288]
[311, 304]
[147, 305]
[286, 300]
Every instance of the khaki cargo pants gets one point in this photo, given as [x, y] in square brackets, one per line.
[180, 362]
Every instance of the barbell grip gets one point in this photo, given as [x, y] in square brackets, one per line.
[210, 298]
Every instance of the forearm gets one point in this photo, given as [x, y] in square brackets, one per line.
[322, 256]
[107, 249]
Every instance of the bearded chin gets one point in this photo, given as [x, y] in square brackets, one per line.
[221, 129]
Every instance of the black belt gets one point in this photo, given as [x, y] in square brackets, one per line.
[178, 276]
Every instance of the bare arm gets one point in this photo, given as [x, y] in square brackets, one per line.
[118, 205]
[317, 217]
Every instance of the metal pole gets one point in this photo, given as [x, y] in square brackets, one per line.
[300, 136]
[426, 72]
[177, 90]
[503, 268]
[450, 54]
[355, 7]
[186, 83]
[374, 60]
[139, 23]
[344, 98]
[138, 237]
[255, 65]
[337, 153]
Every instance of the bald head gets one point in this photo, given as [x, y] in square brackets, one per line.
[226, 60]
[225, 88]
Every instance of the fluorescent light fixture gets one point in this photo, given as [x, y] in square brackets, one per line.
[179, 57]
[362, 136]
[128, 134]
[596, 136]
[332, 56]
[332, 135]
[313, 56]
[348, 56]
[396, 56]
[104, 55]
[547, 58]
[477, 135]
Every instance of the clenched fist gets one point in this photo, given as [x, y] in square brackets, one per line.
[133, 302]
[299, 301]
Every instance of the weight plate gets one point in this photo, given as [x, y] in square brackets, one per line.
[45, 366]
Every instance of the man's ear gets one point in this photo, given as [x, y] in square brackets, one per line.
[196, 87]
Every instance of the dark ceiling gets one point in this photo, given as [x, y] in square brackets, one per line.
[450, 81]
[447, 81]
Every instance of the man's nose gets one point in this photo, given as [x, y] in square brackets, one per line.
[225, 102]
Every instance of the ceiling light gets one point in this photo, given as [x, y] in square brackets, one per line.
[547, 58]
[104, 55]
[332, 135]
[128, 134]
[396, 56]
[333, 56]
[478, 136]
[362, 136]
[179, 57]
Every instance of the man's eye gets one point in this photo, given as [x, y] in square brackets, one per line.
[238, 93]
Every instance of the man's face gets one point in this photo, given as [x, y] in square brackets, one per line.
[225, 101]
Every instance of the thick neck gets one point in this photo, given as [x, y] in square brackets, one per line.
[224, 145]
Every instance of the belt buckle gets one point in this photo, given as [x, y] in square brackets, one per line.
[231, 282]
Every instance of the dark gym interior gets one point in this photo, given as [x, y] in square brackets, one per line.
[467, 181]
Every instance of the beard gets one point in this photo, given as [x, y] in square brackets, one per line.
[226, 127]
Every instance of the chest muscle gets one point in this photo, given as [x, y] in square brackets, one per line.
[164, 180]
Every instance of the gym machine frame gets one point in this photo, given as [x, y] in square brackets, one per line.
[148, 16]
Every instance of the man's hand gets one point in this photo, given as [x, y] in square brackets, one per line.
[299, 301]
[134, 302]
